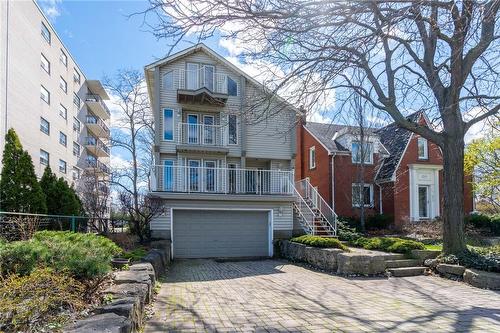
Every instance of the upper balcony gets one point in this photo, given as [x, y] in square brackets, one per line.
[96, 104]
[97, 126]
[202, 135]
[97, 167]
[202, 86]
[96, 146]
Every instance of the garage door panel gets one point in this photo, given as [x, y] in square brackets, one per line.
[205, 234]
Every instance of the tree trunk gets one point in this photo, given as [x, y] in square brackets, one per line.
[453, 195]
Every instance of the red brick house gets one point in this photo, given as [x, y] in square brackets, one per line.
[402, 174]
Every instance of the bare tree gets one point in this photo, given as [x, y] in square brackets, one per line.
[93, 189]
[437, 56]
[133, 134]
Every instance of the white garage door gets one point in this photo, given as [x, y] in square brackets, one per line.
[217, 234]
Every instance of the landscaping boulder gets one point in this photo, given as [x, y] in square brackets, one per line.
[123, 290]
[447, 269]
[361, 263]
[322, 258]
[425, 254]
[102, 323]
[145, 267]
[158, 259]
[128, 307]
[432, 263]
[482, 279]
[141, 277]
[293, 251]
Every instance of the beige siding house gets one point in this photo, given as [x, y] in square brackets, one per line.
[57, 112]
[224, 166]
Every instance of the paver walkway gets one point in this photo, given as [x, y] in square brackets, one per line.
[276, 296]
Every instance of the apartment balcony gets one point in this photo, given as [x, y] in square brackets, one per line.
[97, 126]
[201, 137]
[202, 86]
[97, 167]
[96, 104]
[96, 146]
[190, 179]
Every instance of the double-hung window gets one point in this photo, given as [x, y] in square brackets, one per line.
[423, 150]
[312, 157]
[45, 33]
[44, 126]
[76, 125]
[168, 124]
[45, 63]
[62, 166]
[76, 149]
[63, 112]
[63, 139]
[63, 58]
[76, 100]
[44, 95]
[63, 85]
[362, 152]
[76, 76]
[232, 87]
[44, 157]
[232, 120]
[362, 195]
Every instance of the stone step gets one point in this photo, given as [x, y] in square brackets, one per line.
[394, 256]
[406, 271]
[398, 263]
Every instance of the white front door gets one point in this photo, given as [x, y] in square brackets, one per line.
[424, 191]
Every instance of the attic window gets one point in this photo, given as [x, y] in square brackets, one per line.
[362, 152]
[423, 151]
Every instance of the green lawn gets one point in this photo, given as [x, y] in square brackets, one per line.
[434, 247]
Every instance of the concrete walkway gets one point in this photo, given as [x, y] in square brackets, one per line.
[276, 296]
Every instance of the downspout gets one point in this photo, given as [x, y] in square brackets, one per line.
[333, 181]
[379, 198]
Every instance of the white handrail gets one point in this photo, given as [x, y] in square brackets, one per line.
[302, 203]
[202, 134]
[201, 78]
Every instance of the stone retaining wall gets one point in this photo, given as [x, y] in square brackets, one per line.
[130, 292]
[474, 277]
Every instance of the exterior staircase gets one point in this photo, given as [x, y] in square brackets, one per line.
[401, 266]
[313, 213]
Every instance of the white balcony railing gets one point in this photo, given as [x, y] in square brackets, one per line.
[201, 134]
[192, 179]
[205, 77]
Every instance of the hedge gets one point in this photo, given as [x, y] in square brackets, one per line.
[388, 244]
[317, 241]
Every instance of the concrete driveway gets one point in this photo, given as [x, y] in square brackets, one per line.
[277, 296]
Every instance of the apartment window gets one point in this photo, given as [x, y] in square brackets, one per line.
[365, 155]
[44, 94]
[45, 33]
[44, 126]
[76, 125]
[75, 173]
[76, 76]
[63, 112]
[233, 129]
[63, 58]
[76, 100]
[63, 85]
[62, 166]
[423, 150]
[63, 139]
[168, 80]
[168, 124]
[76, 149]
[362, 194]
[312, 157]
[45, 64]
[44, 157]
[232, 87]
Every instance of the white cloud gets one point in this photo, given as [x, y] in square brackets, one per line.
[51, 8]
[118, 162]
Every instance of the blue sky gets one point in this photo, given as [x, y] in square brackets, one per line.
[101, 37]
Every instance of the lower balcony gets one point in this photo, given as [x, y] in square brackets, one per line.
[188, 179]
[97, 167]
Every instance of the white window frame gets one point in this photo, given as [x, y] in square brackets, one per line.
[163, 125]
[42, 120]
[46, 34]
[63, 84]
[312, 157]
[63, 136]
[371, 147]
[77, 101]
[77, 147]
[77, 123]
[63, 58]
[423, 141]
[63, 164]
[78, 173]
[63, 112]
[42, 97]
[370, 186]
[236, 128]
[236, 82]
[43, 152]
[76, 76]
[44, 62]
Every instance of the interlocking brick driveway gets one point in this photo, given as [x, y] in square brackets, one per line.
[276, 296]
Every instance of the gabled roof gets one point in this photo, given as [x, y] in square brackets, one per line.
[395, 139]
[217, 57]
[325, 134]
